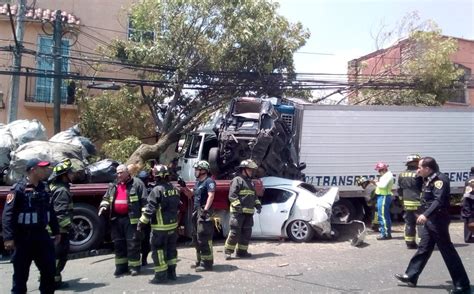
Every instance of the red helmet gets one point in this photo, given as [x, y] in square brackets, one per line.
[380, 166]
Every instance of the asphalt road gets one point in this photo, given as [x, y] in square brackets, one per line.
[277, 267]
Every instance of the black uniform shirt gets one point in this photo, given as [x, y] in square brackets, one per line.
[28, 208]
[201, 190]
[435, 194]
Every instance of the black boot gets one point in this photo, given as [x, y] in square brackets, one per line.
[121, 269]
[172, 272]
[159, 278]
[243, 254]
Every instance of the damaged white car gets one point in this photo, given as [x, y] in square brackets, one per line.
[294, 209]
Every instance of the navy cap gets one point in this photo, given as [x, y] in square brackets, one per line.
[34, 163]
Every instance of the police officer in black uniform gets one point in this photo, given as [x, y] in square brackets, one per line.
[435, 218]
[467, 211]
[161, 211]
[203, 193]
[63, 207]
[409, 189]
[28, 212]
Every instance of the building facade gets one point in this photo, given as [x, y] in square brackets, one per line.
[87, 25]
[389, 61]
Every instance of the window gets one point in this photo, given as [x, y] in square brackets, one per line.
[44, 63]
[275, 196]
[460, 94]
[193, 150]
[136, 35]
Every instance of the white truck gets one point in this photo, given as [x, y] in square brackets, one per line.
[339, 144]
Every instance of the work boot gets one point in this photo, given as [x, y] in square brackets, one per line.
[160, 278]
[228, 256]
[196, 264]
[412, 246]
[461, 290]
[172, 273]
[405, 279]
[202, 267]
[120, 270]
[243, 254]
[60, 285]
[134, 272]
[384, 237]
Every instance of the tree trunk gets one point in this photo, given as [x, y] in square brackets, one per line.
[146, 152]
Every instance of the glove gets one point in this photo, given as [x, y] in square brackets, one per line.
[101, 210]
[181, 182]
[259, 208]
[140, 225]
[205, 215]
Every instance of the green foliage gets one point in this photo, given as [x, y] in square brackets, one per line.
[120, 150]
[240, 41]
[114, 115]
[425, 64]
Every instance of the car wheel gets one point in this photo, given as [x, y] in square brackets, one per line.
[343, 211]
[87, 228]
[300, 231]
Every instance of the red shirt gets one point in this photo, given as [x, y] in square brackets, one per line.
[121, 201]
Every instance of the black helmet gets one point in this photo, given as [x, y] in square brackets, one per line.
[60, 168]
[161, 171]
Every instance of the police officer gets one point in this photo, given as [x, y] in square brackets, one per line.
[467, 211]
[435, 220]
[124, 199]
[409, 189]
[383, 191]
[162, 208]
[27, 213]
[203, 193]
[243, 201]
[145, 229]
[63, 207]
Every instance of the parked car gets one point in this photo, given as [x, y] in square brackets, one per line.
[294, 209]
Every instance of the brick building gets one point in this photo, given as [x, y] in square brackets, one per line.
[377, 63]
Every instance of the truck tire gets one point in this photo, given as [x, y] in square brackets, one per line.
[300, 231]
[214, 160]
[343, 211]
[87, 228]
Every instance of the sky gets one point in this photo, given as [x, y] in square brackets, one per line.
[344, 28]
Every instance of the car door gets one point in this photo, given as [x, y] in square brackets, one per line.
[276, 208]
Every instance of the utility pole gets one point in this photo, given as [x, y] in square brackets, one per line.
[15, 81]
[57, 71]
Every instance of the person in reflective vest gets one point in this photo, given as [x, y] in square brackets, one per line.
[243, 202]
[409, 189]
[124, 200]
[162, 209]
[27, 213]
[384, 200]
[203, 230]
[63, 207]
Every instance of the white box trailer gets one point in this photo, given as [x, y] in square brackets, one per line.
[341, 143]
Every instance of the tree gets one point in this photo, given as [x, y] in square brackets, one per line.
[204, 53]
[114, 116]
[421, 74]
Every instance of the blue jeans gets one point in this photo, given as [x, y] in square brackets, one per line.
[383, 209]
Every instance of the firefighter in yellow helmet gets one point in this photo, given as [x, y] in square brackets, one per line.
[243, 202]
[162, 209]
[409, 189]
[61, 199]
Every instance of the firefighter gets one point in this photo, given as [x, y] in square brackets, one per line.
[243, 202]
[435, 220]
[467, 211]
[27, 213]
[203, 193]
[145, 229]
[384, 199]
[62, 202]
[162, 208]
[123, 200]
[409, 189]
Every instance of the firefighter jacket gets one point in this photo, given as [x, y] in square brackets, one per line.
[136, 198]
[409, 188]
[28, 208]
[435, 195]
[242, 196]
[162, 207]
[61, 200]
